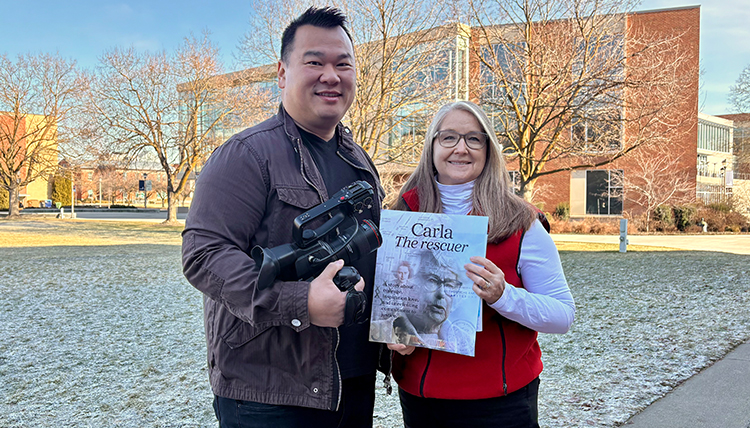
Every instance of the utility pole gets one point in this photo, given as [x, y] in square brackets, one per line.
[145, 196]
[73, 201]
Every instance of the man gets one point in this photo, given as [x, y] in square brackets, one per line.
[428, 304]
[280, 356]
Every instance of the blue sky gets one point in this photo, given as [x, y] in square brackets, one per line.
[83, 29]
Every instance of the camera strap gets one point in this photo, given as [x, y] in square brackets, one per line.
[355, 311]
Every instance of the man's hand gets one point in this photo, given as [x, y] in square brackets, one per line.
[325, 302]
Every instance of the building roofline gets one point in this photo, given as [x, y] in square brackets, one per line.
[715, 119]
[665, 9]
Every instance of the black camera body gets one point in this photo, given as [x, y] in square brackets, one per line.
[341, 236]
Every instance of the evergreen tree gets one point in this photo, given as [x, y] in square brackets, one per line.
[62, 188]
[3, 199]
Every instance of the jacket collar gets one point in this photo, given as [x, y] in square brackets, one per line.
[343, 133]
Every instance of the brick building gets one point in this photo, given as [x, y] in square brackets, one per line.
[604, 190]
[25, 143]
[686, 150]
[107, 185]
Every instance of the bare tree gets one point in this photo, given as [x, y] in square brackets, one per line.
[176, 107]
[405, 62]
[739, 93]
[570, 84]
[38, 97]
[655, 179]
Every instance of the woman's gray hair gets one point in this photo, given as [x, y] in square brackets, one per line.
[493, 194]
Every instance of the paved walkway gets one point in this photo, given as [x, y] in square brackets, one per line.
[737, 244]
[718, 396]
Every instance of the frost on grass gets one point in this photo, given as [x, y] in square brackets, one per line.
[100, 336]
[113, 336]
[645, 322]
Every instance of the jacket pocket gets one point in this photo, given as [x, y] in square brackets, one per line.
[241, 333]
[304, 198]
[289, 203]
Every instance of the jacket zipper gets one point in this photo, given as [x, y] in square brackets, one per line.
[424, 375]
[336, 374]
[297, 144]
[359, 168]
[502, 337]
[336, 396]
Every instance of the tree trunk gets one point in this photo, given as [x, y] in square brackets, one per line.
[13, 211]
[527, 191]
[171, 208]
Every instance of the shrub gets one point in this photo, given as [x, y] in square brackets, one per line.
[721, 220]
[4, 199]
[720, 207]
[737, 221]
[663, 215]
[595, 226]
[562, 211]
[683, 216]
[560, 226]
[62, 189]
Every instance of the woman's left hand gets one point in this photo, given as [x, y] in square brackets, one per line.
[489, 280]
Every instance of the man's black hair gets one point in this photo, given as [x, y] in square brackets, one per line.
[323, 17]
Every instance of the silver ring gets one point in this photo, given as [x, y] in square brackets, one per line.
[486, 284]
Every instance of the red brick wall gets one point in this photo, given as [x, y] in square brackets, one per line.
[683, 140]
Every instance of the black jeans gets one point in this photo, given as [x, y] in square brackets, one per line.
[515, 410]
[355, 410]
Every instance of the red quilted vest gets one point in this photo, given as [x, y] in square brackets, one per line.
[507, 355]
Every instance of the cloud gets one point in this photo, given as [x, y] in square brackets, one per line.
[119, 11]
[140, 43]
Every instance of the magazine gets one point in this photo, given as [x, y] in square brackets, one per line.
[422, 296]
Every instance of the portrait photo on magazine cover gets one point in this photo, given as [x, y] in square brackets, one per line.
[422, 295]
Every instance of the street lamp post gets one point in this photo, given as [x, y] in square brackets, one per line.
[145, 196]
[723, 180]
[73, 201]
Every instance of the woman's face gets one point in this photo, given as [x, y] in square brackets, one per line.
[458, 164]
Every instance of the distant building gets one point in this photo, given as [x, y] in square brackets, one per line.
[712, 151]
[741, 162]
[39, 190]
[107, 184]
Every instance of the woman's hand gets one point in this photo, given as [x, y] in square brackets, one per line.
[401, 349]
[489, 280]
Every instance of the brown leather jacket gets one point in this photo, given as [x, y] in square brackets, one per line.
[261, 345]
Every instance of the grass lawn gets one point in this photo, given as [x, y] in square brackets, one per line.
[98, 327]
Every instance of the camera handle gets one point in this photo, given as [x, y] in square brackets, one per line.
[356, 301]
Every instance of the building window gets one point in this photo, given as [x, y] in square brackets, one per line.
[598, 132]
[714, 137]
[703, 166]
[515, 181]
[604, 192]
[91, 175]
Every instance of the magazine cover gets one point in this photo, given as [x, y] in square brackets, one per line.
[422, 296]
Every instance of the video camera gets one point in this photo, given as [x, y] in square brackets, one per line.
[340, 237]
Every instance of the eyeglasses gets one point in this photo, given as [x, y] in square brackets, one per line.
[449, 139]
[433, 282]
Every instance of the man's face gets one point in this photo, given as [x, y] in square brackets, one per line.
[402, 274]
[318, 79]
[436, 284]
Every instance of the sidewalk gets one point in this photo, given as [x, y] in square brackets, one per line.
[718, 396]
[737, 244]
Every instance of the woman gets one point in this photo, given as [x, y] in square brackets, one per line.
[462, 171]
